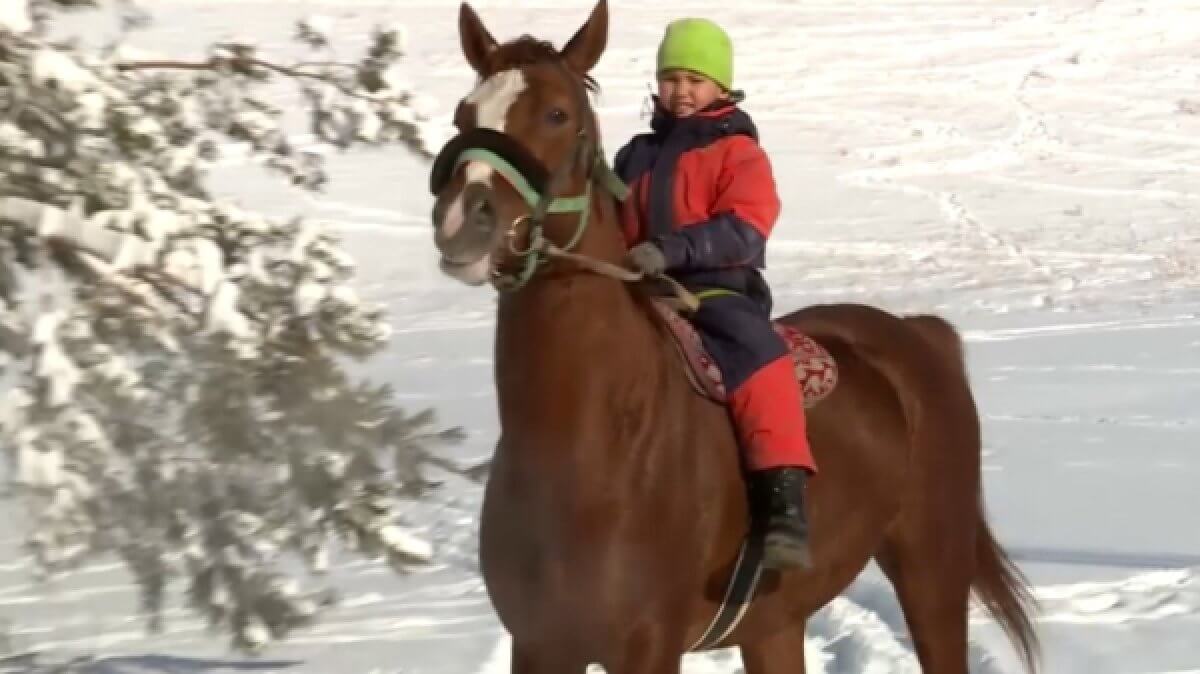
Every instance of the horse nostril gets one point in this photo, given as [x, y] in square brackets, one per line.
[480, 215]
[477, 207]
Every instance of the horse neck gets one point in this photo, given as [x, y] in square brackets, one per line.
[570, 333]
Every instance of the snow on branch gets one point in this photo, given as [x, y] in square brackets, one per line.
[175, 388]
[14, 16]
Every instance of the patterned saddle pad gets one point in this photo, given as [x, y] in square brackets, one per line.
[815, 368]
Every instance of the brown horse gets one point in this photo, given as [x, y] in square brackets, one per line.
[616, 507]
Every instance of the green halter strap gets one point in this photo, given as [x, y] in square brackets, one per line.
[520, 184]
[601, 172]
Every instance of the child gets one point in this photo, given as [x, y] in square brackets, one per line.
[702, 204]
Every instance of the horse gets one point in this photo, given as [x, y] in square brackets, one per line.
[616, 507]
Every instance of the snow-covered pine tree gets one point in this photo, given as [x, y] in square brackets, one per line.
[172, 368]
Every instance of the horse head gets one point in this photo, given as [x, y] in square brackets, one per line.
[527, 135]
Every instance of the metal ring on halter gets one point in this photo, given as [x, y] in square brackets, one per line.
[512, 235]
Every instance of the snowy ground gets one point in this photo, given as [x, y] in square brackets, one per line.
[1027, 168]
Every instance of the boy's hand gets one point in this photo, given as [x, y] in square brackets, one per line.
[647, 258]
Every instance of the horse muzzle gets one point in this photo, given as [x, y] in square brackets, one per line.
[465, 233]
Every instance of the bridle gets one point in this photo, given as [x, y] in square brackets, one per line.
[537, 186]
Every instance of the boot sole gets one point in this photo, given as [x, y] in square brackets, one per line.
[786, 554]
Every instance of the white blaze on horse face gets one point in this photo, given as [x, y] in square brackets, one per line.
[491, 100]
[495, 96]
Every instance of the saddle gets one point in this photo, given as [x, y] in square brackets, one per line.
[815, 368]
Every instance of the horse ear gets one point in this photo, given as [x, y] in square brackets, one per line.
[583, 50]
[477, 42]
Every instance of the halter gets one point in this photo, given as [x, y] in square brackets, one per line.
[536, 186]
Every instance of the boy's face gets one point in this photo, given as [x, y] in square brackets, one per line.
[684, 92]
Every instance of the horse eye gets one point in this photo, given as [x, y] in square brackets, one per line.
[557, 116]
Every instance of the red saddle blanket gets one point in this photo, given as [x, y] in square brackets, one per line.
[815, 368]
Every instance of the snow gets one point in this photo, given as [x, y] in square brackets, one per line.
[223, 314]
[319, 25]
[1025, 167]
[37, 468]
[1152, 596]
[406, 544]
[308, 297]
[14, 16]
[53, 67]
[52, 363]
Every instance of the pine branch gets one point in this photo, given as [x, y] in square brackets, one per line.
[244, 66]
[48, 221]
[183, 397]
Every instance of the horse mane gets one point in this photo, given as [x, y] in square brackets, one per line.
[530, 51]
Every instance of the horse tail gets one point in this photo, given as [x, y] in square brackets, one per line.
[900, 350]
[1004, 592]
[998, 584]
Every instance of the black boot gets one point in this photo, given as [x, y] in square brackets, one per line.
[777, 502]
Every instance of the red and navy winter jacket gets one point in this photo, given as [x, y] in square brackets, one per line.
[703, 190]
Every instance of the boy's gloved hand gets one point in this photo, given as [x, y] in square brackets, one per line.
[647, 258]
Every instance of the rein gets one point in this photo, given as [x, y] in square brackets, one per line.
[685, 299]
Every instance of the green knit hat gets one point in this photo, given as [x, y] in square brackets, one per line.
[698, 45]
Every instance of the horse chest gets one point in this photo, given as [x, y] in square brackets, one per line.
[544, 554]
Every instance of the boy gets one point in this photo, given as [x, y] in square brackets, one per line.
[702, 204]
